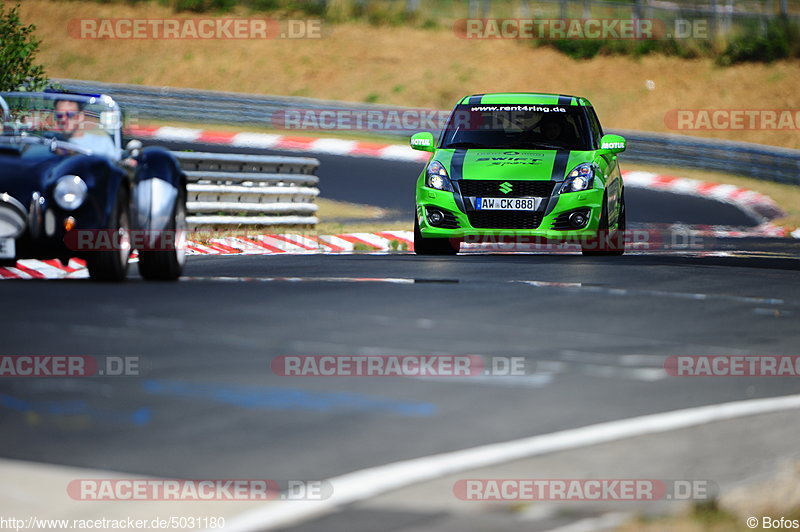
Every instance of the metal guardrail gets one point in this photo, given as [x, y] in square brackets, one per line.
[233, 189]
[752, 160]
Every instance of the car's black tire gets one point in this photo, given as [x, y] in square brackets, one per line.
[618, 240]
[433, 246]
[167, 261]
[606, 243]
[112, 265]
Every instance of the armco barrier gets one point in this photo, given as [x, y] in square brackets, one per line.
[234, 189]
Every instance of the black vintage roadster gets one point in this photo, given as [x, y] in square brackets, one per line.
[69, 189]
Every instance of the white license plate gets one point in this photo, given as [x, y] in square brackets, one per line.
[507, 204]
[7, 248]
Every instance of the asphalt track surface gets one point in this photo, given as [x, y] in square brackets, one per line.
[207, 404]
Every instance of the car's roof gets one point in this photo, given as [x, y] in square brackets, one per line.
[531, 98]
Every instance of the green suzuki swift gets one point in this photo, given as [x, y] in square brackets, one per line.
[522, 167]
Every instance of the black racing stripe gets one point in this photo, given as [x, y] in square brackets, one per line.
[475, 100]
[456, 174]
[457, 164]
[560, 165]
[551, 205]
[564, 100]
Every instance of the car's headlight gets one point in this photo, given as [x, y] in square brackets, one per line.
[436, 177]
[580, 178]
[70, 192]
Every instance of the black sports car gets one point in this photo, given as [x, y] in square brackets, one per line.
[68, 189]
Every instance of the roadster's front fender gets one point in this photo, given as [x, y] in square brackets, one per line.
[154, 199]
[159, 182]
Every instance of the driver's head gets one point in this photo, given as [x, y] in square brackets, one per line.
[69, 115]
[551, 128]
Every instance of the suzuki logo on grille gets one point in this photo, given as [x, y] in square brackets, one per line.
[505, 187]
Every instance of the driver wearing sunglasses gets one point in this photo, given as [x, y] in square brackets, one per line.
[71, 122]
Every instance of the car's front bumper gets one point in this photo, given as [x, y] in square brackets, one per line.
[40, 228]
[551, 208]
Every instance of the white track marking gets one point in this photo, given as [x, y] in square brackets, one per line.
[16, 273]
[593, 524]
[622, 360]
[615, 366]
[659, 293]
[402, 153]
[372, 239]
[639, 374]
[279, 243]
[49, 272]
[334, 146]
[255, 140]
[642, 360]
[178, 134]
[336, 241]
[247, 248]
[229, 279]
[534, 380]
[359, 485]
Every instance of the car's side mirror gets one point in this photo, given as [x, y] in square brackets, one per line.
[422, 141]
[612, 144]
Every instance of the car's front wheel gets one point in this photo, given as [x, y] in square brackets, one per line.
[112, 265]
[607, 243]
[433, 246]
[165, 263]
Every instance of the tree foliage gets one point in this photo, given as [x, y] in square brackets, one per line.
[18, 48]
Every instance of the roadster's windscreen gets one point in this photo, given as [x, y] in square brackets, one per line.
[518, 127]
[85, 122]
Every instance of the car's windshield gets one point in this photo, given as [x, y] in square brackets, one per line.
[518, 126]
[90, 122]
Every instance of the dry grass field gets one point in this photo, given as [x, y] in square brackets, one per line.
[414, 67]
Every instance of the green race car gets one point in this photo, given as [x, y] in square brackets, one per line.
[522, 167]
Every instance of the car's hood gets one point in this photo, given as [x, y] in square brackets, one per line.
[20, 175]
[510, 165]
